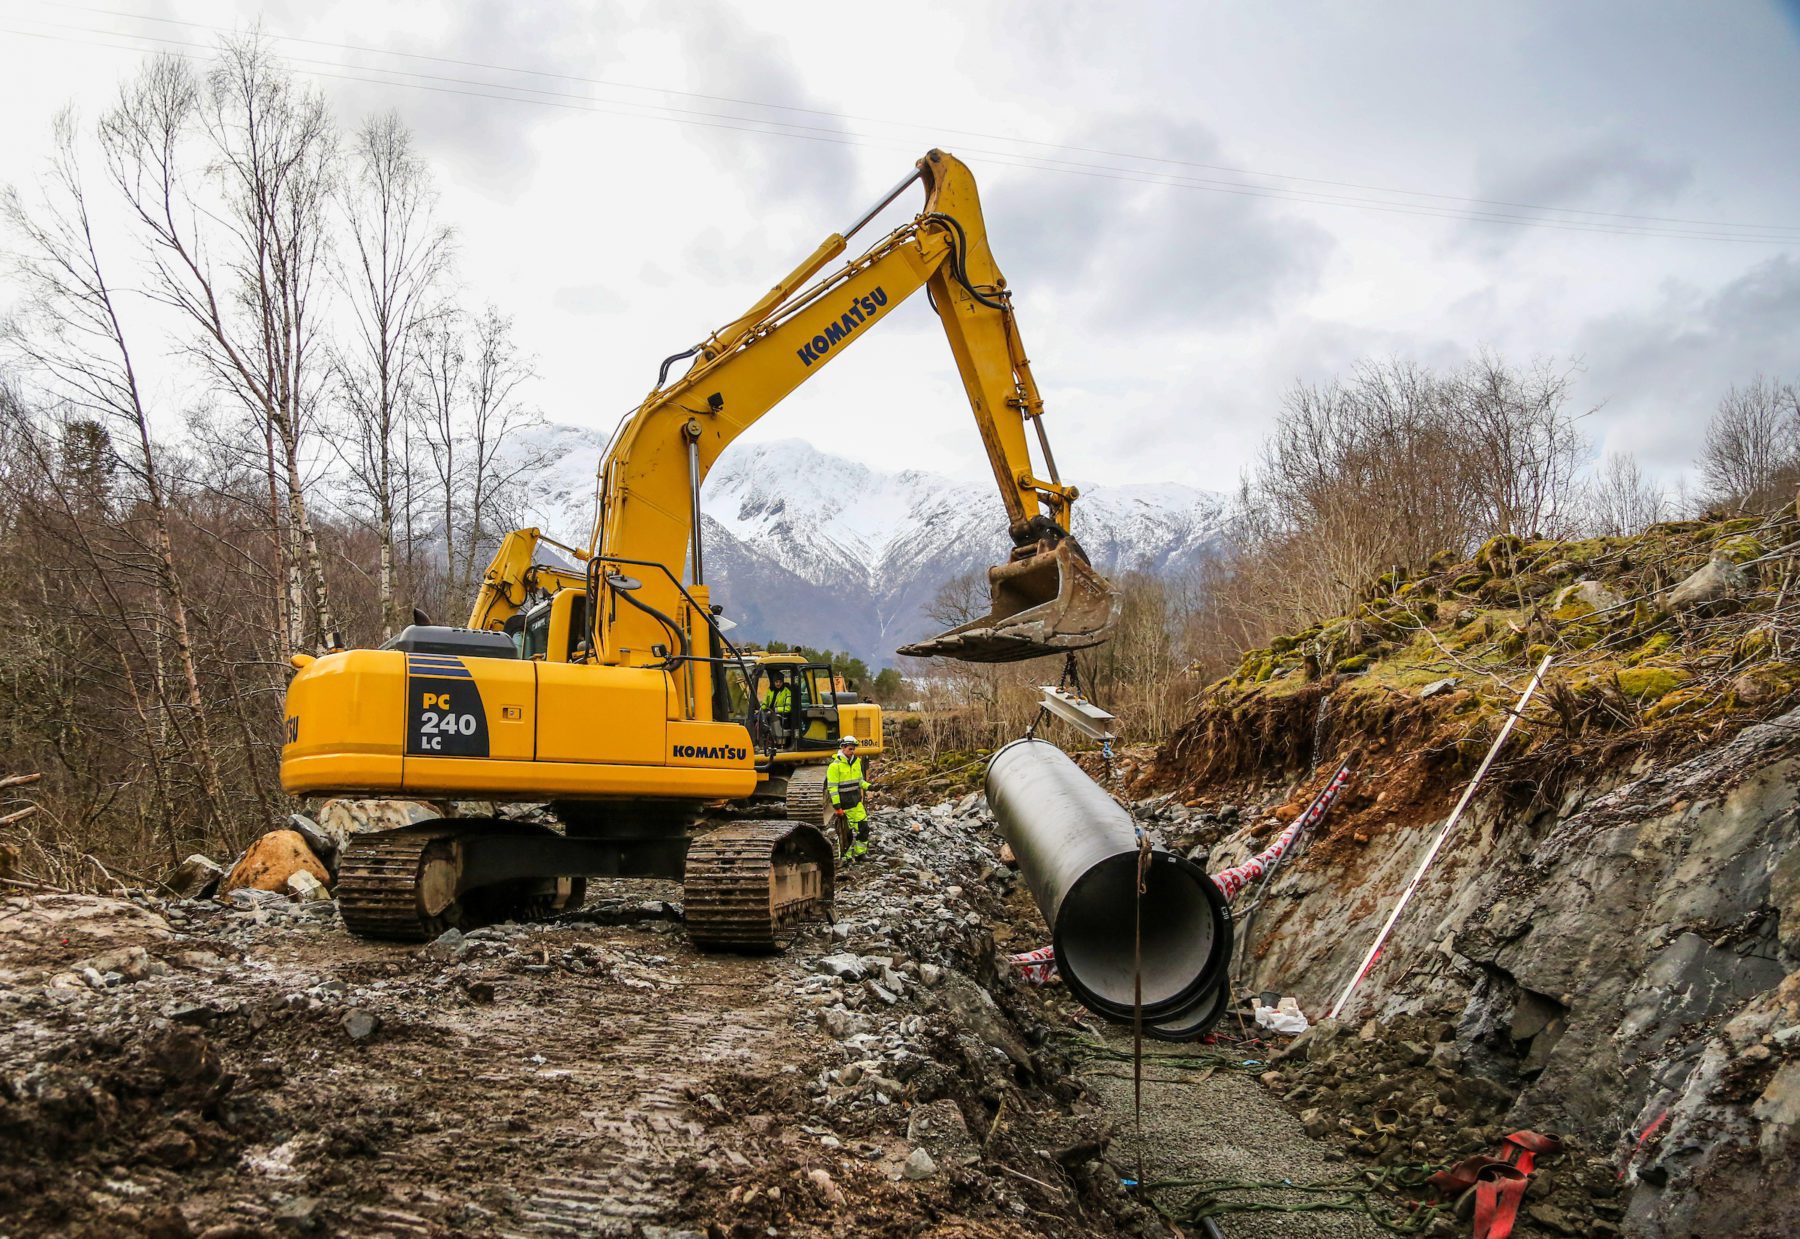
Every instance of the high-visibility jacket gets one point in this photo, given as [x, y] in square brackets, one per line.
[844, 781]
[779, 700]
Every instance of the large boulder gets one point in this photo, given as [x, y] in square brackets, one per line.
[1716, 583]
[194, 878]
[271, 861]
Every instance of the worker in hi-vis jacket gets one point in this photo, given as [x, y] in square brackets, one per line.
[844, 780]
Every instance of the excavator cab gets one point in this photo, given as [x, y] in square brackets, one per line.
[810, 720]
[1046, 599]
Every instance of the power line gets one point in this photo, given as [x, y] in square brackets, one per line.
[560, 99]
[1111, 154]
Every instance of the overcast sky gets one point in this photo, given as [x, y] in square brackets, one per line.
[1195, 204]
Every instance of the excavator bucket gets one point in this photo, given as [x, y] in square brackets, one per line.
[1047, 603]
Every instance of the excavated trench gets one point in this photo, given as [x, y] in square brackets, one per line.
[1606, 950]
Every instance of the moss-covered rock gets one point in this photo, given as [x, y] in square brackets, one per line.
[1497, 554]
[1647, 684]
[1653, 645]
[1354, 664]
[1474, 632]
[1580, 600]
[1680, 701]
[1740, 550]
[1757, 644]
[1767, 683]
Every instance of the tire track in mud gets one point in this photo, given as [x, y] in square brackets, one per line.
[576, 1098]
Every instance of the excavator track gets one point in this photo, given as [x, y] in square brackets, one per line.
[807, 800]
[403, 885]
[399, 884]
[749, 884]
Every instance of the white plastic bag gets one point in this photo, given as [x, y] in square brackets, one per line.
[1285, 1017]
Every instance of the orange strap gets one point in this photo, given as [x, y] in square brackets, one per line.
[1499, 1182]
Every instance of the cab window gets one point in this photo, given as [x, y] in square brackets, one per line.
[737, 689]
[533, 640]
[578, 631]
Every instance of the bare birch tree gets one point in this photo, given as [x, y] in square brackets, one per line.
[73, 336]
[497, 416]
[1524, 449]
[473, 420]
[230, 179]
[440, 430]
[1621, 499]
[392, 277]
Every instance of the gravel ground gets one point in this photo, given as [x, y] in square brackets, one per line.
[1223, 1126]
[189, 1069]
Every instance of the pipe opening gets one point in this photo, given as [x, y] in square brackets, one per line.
[1094, 946]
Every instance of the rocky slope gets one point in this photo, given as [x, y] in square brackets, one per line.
[816, 549]
[1607, 944]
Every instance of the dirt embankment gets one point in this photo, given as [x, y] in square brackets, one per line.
[1609, 947]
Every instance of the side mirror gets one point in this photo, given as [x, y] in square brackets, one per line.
[619, 581]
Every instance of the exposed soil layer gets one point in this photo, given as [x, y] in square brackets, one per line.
[1610, 938]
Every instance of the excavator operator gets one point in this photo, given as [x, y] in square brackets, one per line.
[778, 696]
[777, 706]
[844, 780]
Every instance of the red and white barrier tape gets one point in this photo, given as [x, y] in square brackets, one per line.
[1406, 895]
[1231, 881]
[1037, 967]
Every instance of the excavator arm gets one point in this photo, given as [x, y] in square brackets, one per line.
[1046, 599]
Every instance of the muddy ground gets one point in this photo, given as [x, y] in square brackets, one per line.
[188, 1069]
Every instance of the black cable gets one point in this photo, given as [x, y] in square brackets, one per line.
[674, 629]
[662, 375]
[958, 247]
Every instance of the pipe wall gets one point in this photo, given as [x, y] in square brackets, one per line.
[1078, 853]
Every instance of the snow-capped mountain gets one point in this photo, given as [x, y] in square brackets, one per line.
[815, 549]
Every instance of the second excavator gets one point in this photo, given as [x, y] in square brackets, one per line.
[599, 679]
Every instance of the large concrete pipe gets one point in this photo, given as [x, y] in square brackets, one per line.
[1078, 853]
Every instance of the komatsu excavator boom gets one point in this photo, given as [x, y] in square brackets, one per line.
[604, 684]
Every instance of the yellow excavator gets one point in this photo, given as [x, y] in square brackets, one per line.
[601, 680]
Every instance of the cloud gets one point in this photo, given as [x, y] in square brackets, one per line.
[1604, 173]
[728, 57]
[1160, 256]
[489, 141]
[1662, 369]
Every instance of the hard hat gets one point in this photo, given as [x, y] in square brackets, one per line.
[848, 740]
